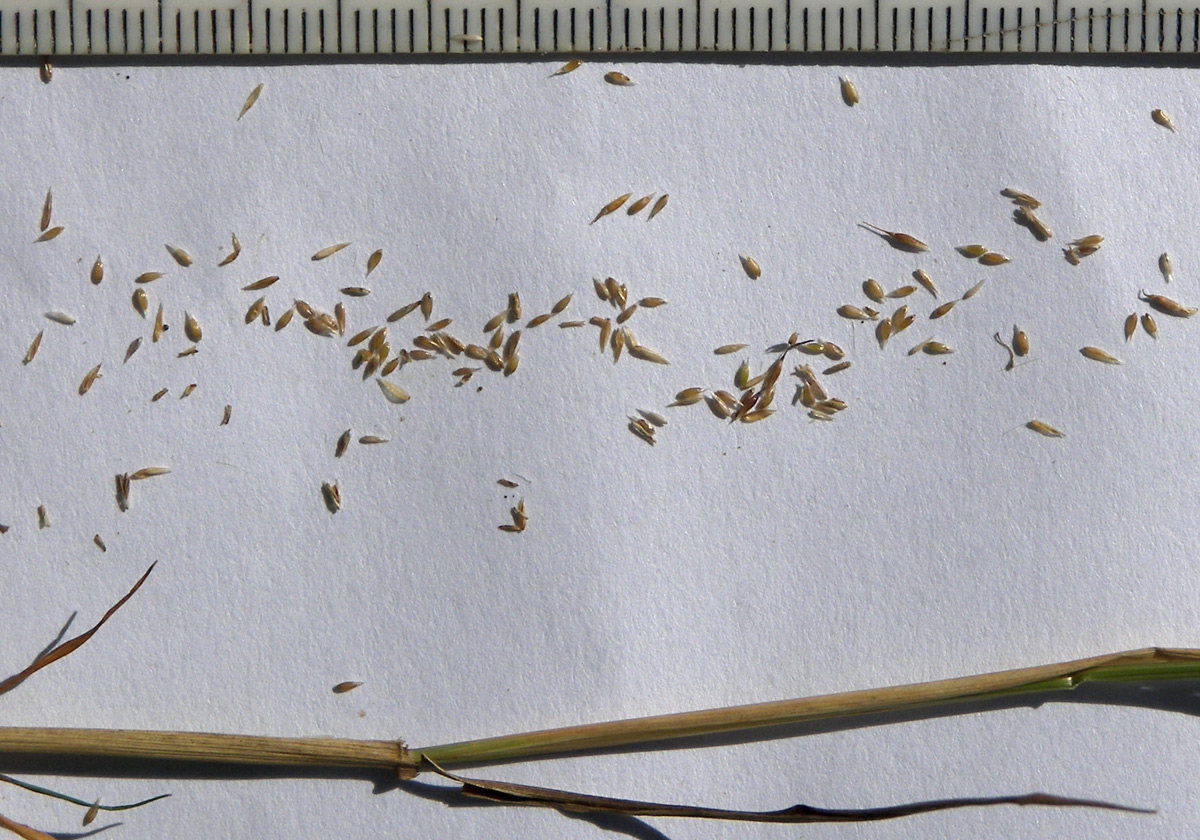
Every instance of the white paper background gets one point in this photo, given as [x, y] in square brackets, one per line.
[924, 534]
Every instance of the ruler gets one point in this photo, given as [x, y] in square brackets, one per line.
[413, 27]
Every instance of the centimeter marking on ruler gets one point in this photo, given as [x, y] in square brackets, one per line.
[363, 27]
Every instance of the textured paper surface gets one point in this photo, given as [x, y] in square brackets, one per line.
[923, 534]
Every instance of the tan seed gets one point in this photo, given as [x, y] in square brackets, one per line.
[1167, 306]
[329, 251]
[1043, 428]
[360, 337]
[132, 348]
[849, 92]
[250, 100]
[33, 348]
[402, 311]
[439, 325]
[51, 234]
[304, 309]
[883, 331]
[394, 393]
[1164, 265]
[974, 290]
[992, 258]
[627, 313]
[972, 251]
[902, 292]
[60, 318]
[942, 310]
[641, 351]
[226, 415]
[284, 319]
[255, 310]
[158, 395]
[1131, 326]
[426, 305]
[1160, 117]
[538, 320]
[937, 348]
[343, 441]
[339, 318]
[258, 285]
[99, 543]
[510, 364]
[1098, 355]
[1021, 198]
[567, 325]
[368, 440]
[191, 328]
[562, 304]
[46, 72]
[90, 377]
[751, 267]
[1090, 241]
[179, 255]
[140, 301]
[122, 492]
[187, 391]
[504, 482]
[573, 64]
[873, 290]
[343, 687]
[838, 368]
[901, 241]
[149, 472]
[658, 207]
[97, 273]
[917, 348]
[47, 205]
[615, 78]
[332, 496]
[611, 207]
[639, 205]
[148, 277]
[1149, 326]
[853, 313]
[832, 352]
[373, 260]
[726, 349]
[232, 255]
[355, 291]
[1020, 342]
[689, 396]
[43, 517]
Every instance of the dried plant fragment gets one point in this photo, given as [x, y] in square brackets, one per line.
[47, 205]
[1149, 326]
[33, 348]
[250, 100]
[329, 251]
[1043, 429]
[140, 302]
[355, 291]
[838, 368]
[191, 328]
[258, 285]
[1021, 198]
[611, 207]
[1131, 326]
[226, 415]
[332, 496]
[187, 391]
[99, 543]
[653, 417]
[1098, 355]
[642, 429]
[658, 207]
[567, 325]
[149, 472]
[751, 267]
[972, 251]
[1039, 228]
[52, 233]
[639, 205]
[122, 485]
[394, 393]
[232, 255]
[992, 258]
[43, 517]
[942, 310]
[1167, 306]
[343, 687]
[148, 277]
[1160, 117]
[88, 379]
[158, 395]
[60, 318]
[179, 255]
[900, 241]
[849, 92]
[614, 77]
[1164, 265]
[974, 290]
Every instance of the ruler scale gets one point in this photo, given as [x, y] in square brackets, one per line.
[363, 27]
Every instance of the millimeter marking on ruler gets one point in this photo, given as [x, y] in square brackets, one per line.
[363, 27]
